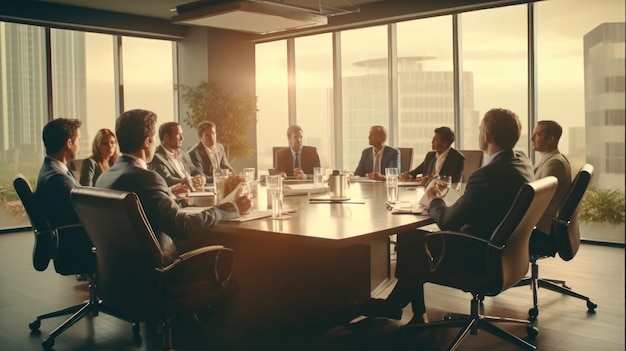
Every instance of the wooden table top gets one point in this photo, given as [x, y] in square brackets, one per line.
[332, 224]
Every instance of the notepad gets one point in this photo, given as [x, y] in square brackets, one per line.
[304, 189]
[408, 207]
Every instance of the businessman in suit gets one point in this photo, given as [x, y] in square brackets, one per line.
[136, 134]
[545, 141]
[375, 159]
[443, 160]
[172, 162]
[208, 155]
[488, 196]
[296, 160]
[61, 138]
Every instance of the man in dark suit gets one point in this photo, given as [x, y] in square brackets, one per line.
[172, 162]
[444, 160]
[488, 196]
[61, 138]
[136, 134]
[374, 160]
[208, 155]
[296, 160]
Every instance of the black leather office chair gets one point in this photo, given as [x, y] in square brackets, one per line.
[564, 239]
[487, 267]
[46, 239]
[406, 158]
[134, 275]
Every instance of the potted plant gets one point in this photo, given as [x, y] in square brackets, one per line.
[602, 214]
[233, 114]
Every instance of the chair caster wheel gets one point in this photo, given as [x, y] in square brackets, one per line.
[591, 306]
[34, 326]
[136, 329]
[533, 313]
[48, 344]
[532, 331]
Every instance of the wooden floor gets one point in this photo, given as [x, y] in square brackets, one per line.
[563, 323]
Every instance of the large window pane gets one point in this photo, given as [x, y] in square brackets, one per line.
[495, 53]
[365, 80]
[149, 76]
[23, 113]
[271, 91]
[314, 83]
[425, 82]
[82, 82]
[581, 86]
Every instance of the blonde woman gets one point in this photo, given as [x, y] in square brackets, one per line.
[104, 153]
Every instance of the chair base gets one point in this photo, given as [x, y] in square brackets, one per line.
[92, 307]
[555, 285]
[474, 322]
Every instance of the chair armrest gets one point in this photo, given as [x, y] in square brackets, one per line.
[216, 258]
[448, 238]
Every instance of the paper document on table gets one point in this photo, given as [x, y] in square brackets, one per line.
[304, 189]
[408, 207]
[238, 191]
[200, 193]
[253, 214]
[450, 198]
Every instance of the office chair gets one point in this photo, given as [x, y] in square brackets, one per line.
[46, 241]
[134, 275]
[406, 158]
[487, 267]
[564, 239]
[473, 161]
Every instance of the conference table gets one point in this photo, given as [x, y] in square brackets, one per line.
[309, 268]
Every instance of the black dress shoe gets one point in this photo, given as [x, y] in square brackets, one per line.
[45, 243]
[380, 308]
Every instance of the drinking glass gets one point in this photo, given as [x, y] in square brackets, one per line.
[275, 190]
[218, 182]
[248, 175]
[392, 189]
[391, 172]
[318, 175]
[445, 183]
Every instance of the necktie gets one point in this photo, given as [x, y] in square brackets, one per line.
[297, 163]
[376, 162]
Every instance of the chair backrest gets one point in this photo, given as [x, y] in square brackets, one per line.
[473, 161]
[565, 230]
[514, 232]
[406, 158]
[128, 254]
[274, 151]
[75, 166]
[36, 215]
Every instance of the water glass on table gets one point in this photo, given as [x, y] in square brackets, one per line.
[275, 191]
[249, 175]
[318, 175]
[444, 184]
[391, 177]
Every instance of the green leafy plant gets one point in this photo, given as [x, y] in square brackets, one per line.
[602, 205]
[232, 114]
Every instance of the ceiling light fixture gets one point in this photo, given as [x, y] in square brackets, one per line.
[259, 17]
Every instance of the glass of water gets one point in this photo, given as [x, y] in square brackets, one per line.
[392, 189]
[318, 175]
[275, 191]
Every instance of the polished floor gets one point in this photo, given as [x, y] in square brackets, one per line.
[564, 324]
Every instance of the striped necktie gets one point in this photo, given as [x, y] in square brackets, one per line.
[297, 162]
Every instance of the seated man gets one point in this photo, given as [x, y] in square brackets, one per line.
[545, 140]
[374, 160]
[136, 133]
[208, 155]
[296, 160]
[489, 194]
[173, 163]
[61, 138]
[444, 160]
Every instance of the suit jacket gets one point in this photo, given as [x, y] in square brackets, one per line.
[489, 194]
[452, 166]
[309, 159]
[188, 230]
[89, 172]
[391, 158]
[553, 164]
[201, 160]
[162, 164]
[73, 252]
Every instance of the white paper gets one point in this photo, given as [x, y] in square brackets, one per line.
[358, 179]
[303, 189]
[253, 214]
[238, 191]
[450, 198]
[408, 207]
